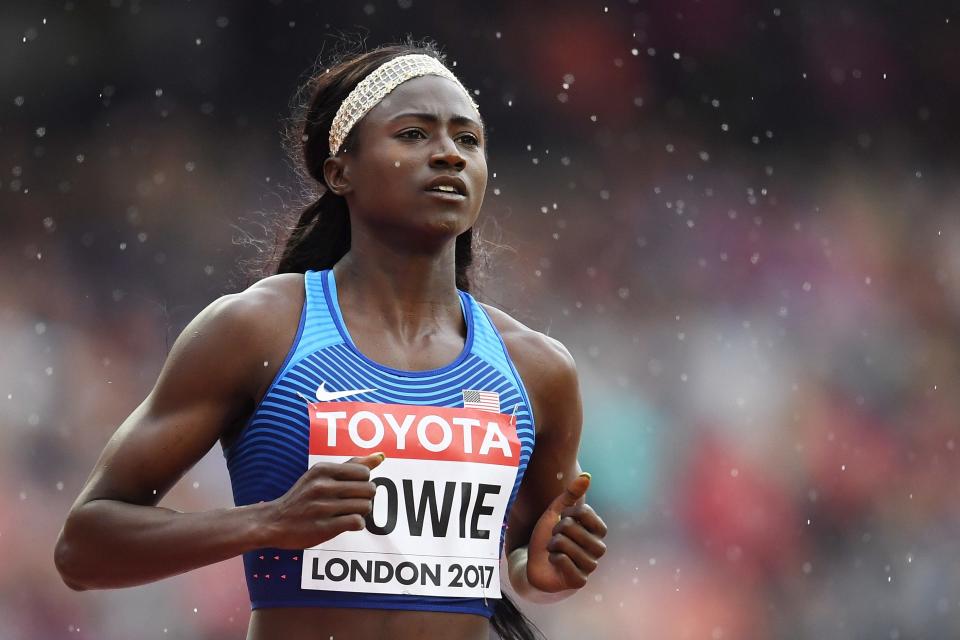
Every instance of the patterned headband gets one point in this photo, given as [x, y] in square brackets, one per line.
[384, 79]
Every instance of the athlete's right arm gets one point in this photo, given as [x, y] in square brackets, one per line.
[116, 536]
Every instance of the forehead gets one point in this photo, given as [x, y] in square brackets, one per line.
[425, 94]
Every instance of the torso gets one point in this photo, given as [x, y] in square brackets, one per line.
[276, 336]
[280, 330]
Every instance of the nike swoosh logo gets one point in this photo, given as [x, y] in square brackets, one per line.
[326, 396]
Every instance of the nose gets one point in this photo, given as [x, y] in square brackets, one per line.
[447, 155]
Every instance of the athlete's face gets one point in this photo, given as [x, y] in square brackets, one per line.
[422, 140]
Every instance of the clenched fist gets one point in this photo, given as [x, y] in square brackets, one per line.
[328, 499]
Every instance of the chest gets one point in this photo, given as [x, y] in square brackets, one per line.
[429, 350]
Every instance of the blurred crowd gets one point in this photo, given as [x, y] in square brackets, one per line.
[742, 219]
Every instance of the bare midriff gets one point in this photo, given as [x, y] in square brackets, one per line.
[326, 623]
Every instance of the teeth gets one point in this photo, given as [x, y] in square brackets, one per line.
[445, 187]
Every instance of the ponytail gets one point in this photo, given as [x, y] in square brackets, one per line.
[320, 237]
[510, 623]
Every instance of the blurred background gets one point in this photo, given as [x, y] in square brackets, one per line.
[741, 217]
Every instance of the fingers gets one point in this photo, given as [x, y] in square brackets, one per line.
[354, 489]
[344, 506]
[574, 492]
[370, 462]
[357, 468]
[584, 561]
[586, 516]
[339, 524]
[577, 537]
[581, 537]
[572, 575]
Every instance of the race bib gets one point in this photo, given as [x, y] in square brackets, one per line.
[442, 493]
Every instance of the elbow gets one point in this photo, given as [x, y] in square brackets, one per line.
[66, 557]
[63, 559]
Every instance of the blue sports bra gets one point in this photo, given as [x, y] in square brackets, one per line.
[457, 440]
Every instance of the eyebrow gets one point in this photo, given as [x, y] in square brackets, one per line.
[462, 120]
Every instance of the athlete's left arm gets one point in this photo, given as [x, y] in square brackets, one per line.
[554, 538]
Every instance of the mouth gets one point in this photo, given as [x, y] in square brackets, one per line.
[451, 188]
[448, 194]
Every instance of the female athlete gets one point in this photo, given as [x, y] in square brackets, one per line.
[388, 438]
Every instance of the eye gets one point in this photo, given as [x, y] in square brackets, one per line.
[470, 139]
[412, 134]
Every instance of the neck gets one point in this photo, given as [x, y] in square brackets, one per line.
[410, 291]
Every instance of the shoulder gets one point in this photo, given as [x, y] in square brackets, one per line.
[254, 310]
[237, 330]
[528, 345]
[544, 363]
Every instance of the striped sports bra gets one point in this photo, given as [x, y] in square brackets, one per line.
[457, 440]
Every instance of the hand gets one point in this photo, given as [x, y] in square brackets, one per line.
[328, 499]
[566, 541]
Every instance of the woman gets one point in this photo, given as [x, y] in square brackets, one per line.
[387, 436]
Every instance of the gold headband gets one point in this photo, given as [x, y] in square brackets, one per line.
[384, 79]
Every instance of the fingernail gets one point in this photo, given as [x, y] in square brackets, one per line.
[585, 473]
[382, 455]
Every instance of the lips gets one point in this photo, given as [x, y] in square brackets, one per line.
[447, 185]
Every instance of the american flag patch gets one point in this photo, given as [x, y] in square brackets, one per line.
[483, 400]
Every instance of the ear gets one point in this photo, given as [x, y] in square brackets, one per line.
[336, 172]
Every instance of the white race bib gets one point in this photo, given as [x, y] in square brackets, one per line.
[442, 493]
